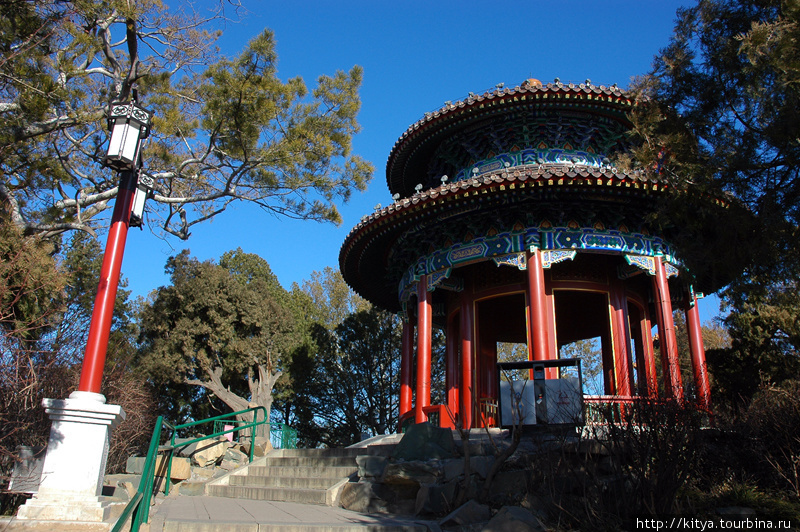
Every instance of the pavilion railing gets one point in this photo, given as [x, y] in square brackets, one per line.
[603, 409]
[635, 409]
[138, 508]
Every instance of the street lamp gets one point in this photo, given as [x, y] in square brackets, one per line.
[130, 125]
[144, 191]
[74, 466]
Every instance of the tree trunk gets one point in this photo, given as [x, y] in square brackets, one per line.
[260, 393]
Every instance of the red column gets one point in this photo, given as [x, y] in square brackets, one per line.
[486, 382]
[649, 356]
[673, 386]
[551, 327]
[698, 353]
[645, 358]
[406, 355]
[607, 350]
[94, 359]
[451, 366]
[620, 339]
[537, 305]
[467, 377]
[424, 326]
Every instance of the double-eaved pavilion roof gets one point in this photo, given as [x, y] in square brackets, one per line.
[510, 168]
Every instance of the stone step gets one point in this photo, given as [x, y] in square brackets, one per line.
[305, 496]
[283, 482]
[303, 471]
[338, 451]
[311, 461]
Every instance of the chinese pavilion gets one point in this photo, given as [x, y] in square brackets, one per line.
[510, 224]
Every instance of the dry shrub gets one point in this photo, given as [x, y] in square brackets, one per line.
[27, 378]
[132, 436]
[772, 422]
[635, 464]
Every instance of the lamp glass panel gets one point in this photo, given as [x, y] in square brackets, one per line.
[138, 201]
[117, 139]
[131, 142]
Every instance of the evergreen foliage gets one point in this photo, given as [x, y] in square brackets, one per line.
[719, 117]
[225, 129]
[226, 328]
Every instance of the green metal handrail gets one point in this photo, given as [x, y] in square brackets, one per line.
[281, 436]
[139, 506]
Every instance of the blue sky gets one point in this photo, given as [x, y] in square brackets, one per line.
[416, 55]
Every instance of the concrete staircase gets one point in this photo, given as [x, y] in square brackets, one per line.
[308, 476]
[295, 490]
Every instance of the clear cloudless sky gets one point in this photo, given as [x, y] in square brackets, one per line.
[416, 55]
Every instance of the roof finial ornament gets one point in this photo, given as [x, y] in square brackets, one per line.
[418, 188]
[396, 196]
[444, 179]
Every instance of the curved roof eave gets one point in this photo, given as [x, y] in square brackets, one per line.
[377, 228]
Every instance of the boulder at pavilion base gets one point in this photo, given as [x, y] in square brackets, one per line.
[469, 513]
[514, 519]
[423, 441]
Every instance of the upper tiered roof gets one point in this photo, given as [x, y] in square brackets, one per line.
[553, 124]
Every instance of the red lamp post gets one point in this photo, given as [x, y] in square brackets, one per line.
[74, 466]
[129, 124]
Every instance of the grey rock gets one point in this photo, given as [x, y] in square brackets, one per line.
[192, 489]
[481, 465]
[209, 452]
[261, 448]
[229, 465]
[370, 466]
[202, 473]
[416, 472]
[436, 498]
[357, 496]
[234, 455]
[514, 519]
[188, 450]
[423, 441]
[27, 472]
[180, 470]
[509, 486]
[470, 512]
[119, 479]
[117, 492]
[452, 469]
[736, 512]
